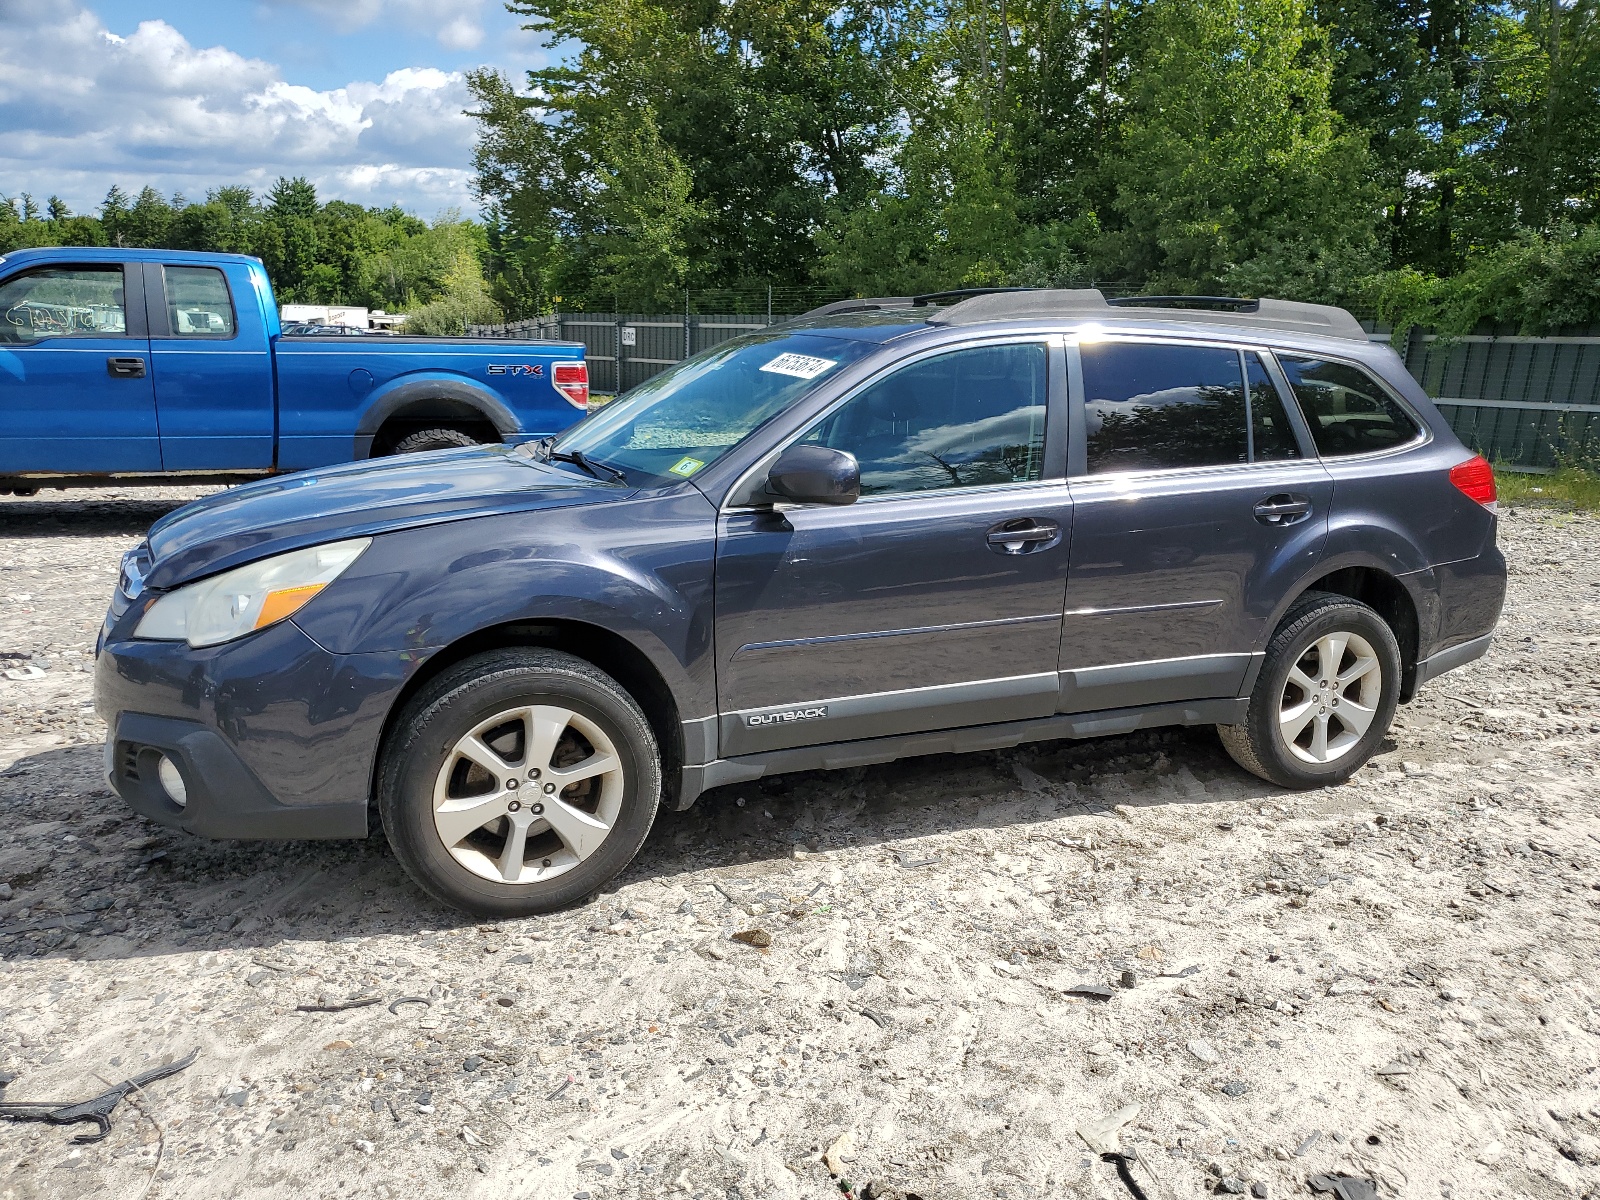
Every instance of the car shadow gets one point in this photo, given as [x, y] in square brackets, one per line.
[99, 516]
[90, 877]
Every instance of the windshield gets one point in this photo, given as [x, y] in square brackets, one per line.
[676, 423]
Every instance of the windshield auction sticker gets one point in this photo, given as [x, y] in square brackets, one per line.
[801, 366]
[686, 466]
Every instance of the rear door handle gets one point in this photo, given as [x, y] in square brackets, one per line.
[1025, 535]
[125, 368]
[1286, 508]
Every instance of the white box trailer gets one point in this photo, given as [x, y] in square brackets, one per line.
[325, 314]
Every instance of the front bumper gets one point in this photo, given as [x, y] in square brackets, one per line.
[274, 736]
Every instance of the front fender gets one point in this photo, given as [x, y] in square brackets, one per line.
[641, 569]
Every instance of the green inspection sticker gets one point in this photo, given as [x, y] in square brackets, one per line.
[686, 466]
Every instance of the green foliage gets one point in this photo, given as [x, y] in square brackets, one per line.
[1235, 173]
[1537, 285]
[1439, 162]
[315, 253]
[1568, 487]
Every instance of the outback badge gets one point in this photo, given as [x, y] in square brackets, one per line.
[811, 712]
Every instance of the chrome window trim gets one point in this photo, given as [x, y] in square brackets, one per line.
[1050, 341]
[1167, 472]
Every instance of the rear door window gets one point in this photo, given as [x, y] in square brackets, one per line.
[970, 418]
[1347, 410]
[198, 303]
[1153, 407]
[63, 302]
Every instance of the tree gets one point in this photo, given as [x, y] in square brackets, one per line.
[148, 222]
[774, 108]
[1235, 171]
[295, 197]
[114, 213]
[56, 209]
[635, 225]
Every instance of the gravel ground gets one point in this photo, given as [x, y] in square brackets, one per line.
[1394, 979]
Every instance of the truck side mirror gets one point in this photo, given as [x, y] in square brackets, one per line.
[809, 474]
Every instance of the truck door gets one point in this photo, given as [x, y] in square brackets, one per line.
[75, 386]
[213, 368]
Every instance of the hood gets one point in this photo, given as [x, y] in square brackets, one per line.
[255, 520]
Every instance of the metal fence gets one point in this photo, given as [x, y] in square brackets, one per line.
[1527, 402]
[1530, 402]
[624, 349]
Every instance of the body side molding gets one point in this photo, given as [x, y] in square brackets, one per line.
[834, 755]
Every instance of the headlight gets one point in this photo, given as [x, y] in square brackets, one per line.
[247, 598]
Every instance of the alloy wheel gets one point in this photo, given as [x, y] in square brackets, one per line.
[528, 794]
[1330, 698]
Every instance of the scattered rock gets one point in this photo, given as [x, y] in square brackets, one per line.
[1344, 1187]
[1203, 1051]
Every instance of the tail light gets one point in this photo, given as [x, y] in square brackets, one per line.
[572, 381]
[1475, 480]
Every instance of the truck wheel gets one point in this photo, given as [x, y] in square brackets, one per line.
[433, 439]
[1325, 696]
[517, 782]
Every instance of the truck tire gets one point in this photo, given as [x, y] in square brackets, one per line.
[1324, 698]
[517, 782]
[433, 439]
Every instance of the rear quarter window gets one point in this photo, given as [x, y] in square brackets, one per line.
[1348, 411]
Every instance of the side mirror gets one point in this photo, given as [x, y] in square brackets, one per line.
[807, 474]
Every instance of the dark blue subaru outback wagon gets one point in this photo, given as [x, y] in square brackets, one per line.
[892, 527]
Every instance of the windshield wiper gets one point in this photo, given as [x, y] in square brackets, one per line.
[578, 459]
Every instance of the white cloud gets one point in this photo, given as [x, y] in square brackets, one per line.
[456, 24]
[83, 108]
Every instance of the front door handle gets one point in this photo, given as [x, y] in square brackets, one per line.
[125, 368]
[1025, 535]
[1285, 508]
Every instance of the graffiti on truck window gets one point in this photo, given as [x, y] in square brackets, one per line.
[63, 320]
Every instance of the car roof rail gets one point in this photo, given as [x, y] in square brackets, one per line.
[1225, 303]
[963, 294]
[1089, 304]
[862, 304]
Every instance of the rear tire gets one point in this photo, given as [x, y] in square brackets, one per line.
[1324, 698]
[433, 439]
[518, 782]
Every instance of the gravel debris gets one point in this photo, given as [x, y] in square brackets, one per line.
[1396, 975]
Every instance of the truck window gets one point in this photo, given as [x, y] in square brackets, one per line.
[198, 303]
[56, 302]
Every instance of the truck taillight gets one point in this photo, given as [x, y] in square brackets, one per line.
[572, 381]
[1475, 479]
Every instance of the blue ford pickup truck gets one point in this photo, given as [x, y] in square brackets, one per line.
[160, 366]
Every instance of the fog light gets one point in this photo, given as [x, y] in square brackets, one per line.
[172, 780]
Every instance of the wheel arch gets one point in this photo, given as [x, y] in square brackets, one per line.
[413, 403]
[1385, 593]
[603, 648]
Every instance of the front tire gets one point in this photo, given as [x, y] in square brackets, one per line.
[1324, 698]
[519, 781]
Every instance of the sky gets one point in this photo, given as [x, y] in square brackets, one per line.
[363, 97]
